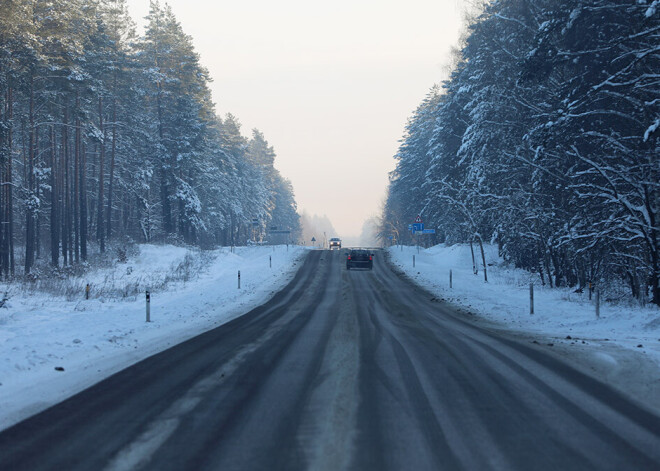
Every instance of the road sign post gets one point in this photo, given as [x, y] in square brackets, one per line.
[148, 299]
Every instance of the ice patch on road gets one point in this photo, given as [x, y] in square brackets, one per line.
[605, 358]
[137, 454]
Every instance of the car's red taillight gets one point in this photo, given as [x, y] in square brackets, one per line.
[370, 258]
[349, 257]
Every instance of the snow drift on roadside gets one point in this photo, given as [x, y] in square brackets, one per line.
[92, 339]
[559, 314]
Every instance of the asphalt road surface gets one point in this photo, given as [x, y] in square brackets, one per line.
[355, 370]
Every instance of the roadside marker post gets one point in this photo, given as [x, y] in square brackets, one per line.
[450, 280]
[531, 299]
[87, 291]
[597, 303]
[270, 261]
[148, 296]
[413, 261]
[239, 279]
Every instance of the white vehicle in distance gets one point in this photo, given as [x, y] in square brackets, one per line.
[335, 243]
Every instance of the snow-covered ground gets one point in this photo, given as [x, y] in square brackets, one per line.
[622, 346]
[53, 346]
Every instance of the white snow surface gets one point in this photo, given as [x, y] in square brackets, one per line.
[93, 339]
[621, 347]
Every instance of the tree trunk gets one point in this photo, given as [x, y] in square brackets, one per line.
[634, 283]
[5, 162]
[126, 212]
[66, 214]
[483, 257]
[112, 164]
[539, 256]
[164, 186]
[655, 265]
[548, 268]
[63, 198]
[83, 202]
[558, 269]
[100, 232]
[37, 213]
[10, 189]
[3, 159]
[54, 203]
[29, 212]
[653, 207]
[655, 278]
[475, 270]
[76, 185]
[165, 203]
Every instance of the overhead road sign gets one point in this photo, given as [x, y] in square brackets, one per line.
[280, 232]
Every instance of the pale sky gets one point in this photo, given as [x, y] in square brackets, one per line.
[330, 84]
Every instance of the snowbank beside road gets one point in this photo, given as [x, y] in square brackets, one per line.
[622, 346]
[52, 347]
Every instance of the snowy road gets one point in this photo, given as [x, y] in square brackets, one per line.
[342, 370]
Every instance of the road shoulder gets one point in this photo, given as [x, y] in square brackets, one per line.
[634, 373]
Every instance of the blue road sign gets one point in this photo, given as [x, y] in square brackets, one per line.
[428, 231]
[418, 227]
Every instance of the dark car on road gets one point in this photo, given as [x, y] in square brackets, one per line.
[360, 258]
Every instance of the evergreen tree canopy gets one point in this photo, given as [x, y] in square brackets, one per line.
[545, 139]
[107, 136]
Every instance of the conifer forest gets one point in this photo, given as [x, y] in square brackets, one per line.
[544, 140]
[111, 137]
